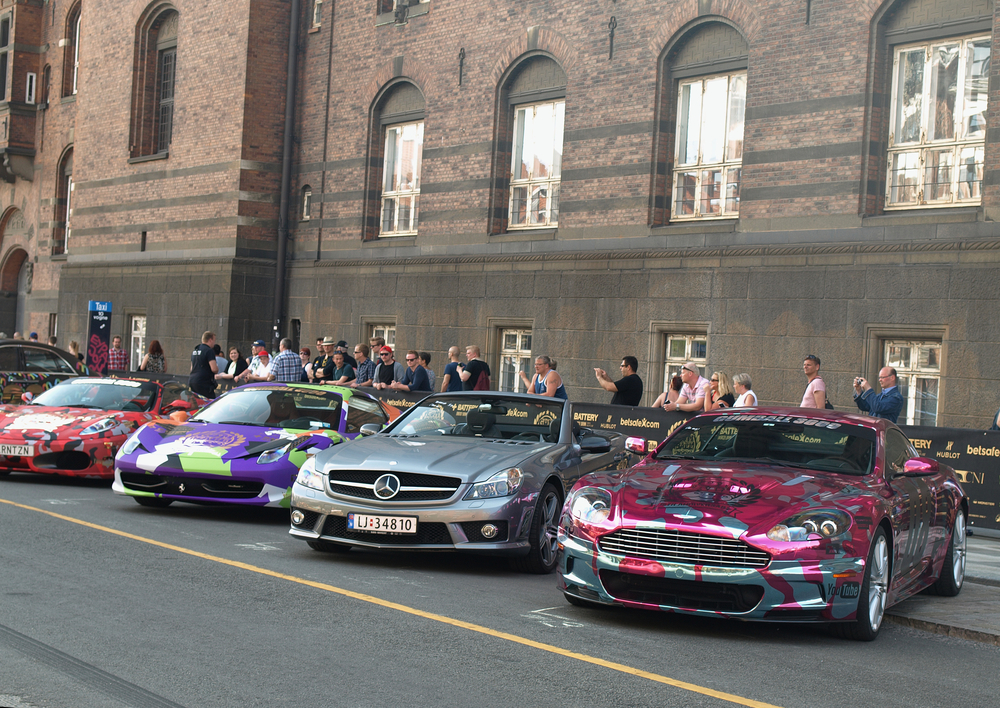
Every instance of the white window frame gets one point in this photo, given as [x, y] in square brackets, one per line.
[538, 192]
[695, 349]
[137, 340]
[909, 378]
[910, 156]
[398, 191]
[514, 356]
[76, 51]
[696, 193]
[317, 13]
[30, 87]
[384, 330]
[306, 204]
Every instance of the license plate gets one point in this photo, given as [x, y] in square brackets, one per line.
[17, 450]
[382, 524]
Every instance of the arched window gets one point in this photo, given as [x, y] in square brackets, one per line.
[704, 96]
[938, 87]
[154, 82]
[396, 149]
[64, 204]
[529, 146]
[71, 49]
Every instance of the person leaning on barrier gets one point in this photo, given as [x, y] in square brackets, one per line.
[545, 382]
[720, 393]
[887, 404]
[671, 393]
[744, 391]
[693, 393]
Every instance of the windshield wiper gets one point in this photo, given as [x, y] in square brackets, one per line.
[680, 457]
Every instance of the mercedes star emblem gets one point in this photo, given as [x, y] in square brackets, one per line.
[387, 486]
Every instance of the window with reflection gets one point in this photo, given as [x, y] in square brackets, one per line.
[404, 145]
[536, 165]
[709, 150]
[918, 375]
[938, 123]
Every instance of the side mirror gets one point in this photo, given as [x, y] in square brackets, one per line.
[27, 396]
[637, 445]
[594, 445]
[919, 466]
[370, 429]
[177, 405]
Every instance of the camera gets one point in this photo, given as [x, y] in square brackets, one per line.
[857, 381]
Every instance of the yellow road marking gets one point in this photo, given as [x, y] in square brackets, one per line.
[623, 668]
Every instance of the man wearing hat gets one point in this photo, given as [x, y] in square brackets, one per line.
[388, 369]
[323, 366]
[260, 367]
[341, 346]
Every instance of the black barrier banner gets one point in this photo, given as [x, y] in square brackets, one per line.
[975, 456]
[99, 336]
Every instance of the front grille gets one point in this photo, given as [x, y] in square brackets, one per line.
[222, 488]
[474, 531]
[430, 532]
[441, 487]
[670, 546]
[681, 594]
[64, 460]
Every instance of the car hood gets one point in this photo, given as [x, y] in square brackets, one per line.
[217, 449]
[731, 498]
[48, 422]
[454, 456]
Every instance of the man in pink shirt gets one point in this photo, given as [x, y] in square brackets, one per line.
[815, 395]
[693, 392]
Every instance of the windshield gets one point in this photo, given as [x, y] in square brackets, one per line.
[487, 416]
[102, 395]
[275, 407]
[785, 440]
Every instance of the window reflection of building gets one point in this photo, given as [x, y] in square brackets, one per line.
[918, 370]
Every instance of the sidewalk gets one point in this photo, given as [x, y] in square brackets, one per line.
[975, 613]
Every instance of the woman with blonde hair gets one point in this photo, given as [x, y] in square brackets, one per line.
[741, 382]
[722, 395]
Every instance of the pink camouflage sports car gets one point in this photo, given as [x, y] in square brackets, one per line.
[773, 514]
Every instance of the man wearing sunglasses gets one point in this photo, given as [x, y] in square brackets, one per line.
[693, 392]
[388, 369]
[415, 376]
[887, 404]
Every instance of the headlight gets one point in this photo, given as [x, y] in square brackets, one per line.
[811, 525]
[308, 476]
[502, 484]
[269, 456]
[591, 505]
[131, 444]
[99, 426]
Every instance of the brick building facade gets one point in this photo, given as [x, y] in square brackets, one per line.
[738, 182]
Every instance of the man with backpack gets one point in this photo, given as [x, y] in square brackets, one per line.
[476, 374]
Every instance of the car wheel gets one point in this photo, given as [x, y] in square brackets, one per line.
[953, 570]
[153, 502]
[874, 590]
[328, 547]
[541, 558]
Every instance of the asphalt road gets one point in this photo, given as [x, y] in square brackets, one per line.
[106, 603]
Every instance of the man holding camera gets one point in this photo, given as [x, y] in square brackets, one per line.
[887, 404]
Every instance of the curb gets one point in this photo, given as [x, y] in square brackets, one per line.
[945, 629]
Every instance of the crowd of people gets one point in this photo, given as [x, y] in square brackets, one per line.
[374, 364]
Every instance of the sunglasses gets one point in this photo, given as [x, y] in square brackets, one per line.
[385, 354]
[714, 380]
[410, 358]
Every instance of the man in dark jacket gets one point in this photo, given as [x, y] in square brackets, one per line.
[887, 404]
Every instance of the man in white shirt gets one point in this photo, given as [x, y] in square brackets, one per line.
[259, 370]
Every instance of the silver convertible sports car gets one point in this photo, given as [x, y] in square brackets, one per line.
[476, 471]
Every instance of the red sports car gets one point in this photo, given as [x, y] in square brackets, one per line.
[76, 427]
[768, 514]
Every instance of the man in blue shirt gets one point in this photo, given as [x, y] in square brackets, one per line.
[415, 378]
[887, 404]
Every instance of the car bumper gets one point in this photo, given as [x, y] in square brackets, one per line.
[91, 459]
[786, 590]
[456, 526]
[192, 488]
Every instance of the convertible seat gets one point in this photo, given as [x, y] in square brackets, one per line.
[482, 425]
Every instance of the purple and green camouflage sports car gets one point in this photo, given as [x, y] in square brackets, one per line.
[243, 448]
[768, 514]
